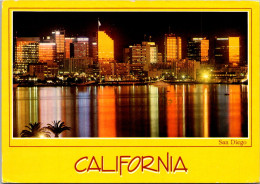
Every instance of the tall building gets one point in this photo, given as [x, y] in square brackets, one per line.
[68, 42]
[221, 50]
[105, 47]
[204, 50]
[59, 38]
[26, 51]
[233, 49]
[172, 47]
[227, 50]
[137, 53]
[145, 53]
[47, 53]
[81, 47]
[198, 49]
[151, 52]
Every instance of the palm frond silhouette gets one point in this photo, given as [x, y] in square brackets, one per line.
[57, 127]
[34, 130]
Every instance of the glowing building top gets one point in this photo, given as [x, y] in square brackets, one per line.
[59, 38]
[68, 42]
[47, 53]
[105, 47]
[233, 47]
[81, 47]
[198, 49]
[26, 51]
[173, 48]
[227, 50]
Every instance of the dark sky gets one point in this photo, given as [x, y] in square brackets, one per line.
[128, 28]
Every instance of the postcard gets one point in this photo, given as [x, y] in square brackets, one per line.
[130, 91]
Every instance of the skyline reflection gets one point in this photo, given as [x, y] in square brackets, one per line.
[187, 110]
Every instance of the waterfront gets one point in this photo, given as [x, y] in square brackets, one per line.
[180, 110]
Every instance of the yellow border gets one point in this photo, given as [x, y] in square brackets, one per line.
[22, 156]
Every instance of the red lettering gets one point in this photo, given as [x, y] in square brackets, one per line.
[160, 161]
[180, 169]
[130, 163]
[171, 164]
[90, 168]
[147, 165]
[78, 161]
[116, 163]
[122, 162]
[102, 166]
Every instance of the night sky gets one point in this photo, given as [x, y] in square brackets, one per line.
[127, 28]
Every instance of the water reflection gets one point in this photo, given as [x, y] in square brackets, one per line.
[136, 111]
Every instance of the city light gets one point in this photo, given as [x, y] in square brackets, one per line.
[42, 136]
[222, 38]
[75, 67]
[205, 75]
[195, 39]
[82, 39]
[59, 56]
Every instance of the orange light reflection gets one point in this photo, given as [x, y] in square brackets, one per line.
[172, 115]
[205, 113]
[106, 112]
[234, 111]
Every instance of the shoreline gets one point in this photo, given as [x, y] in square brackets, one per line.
[115, 83]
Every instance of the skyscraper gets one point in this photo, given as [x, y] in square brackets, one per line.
[151, 52]
[221, 50]
[145, 53]
[137, 53]
[59, 38]
[81, 47]
[172, 47]
[68, 41]
[198, 49]
[227, 50]
[47, 53]
[105, 47]
[27, 51]
[233, 48]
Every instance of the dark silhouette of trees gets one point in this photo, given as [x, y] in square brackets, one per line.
[57, 127]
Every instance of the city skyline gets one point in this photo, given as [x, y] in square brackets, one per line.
[125, 33]
[190, 80]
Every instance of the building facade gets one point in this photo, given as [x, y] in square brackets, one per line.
[81, 47]
[78, 65]
[105, 47]
[145, 53]
[47, 53]
[227, 50]
[68, 42]
[234, 50]
[172, 47]
[198, 49]
[59, 38]
[26, 51]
